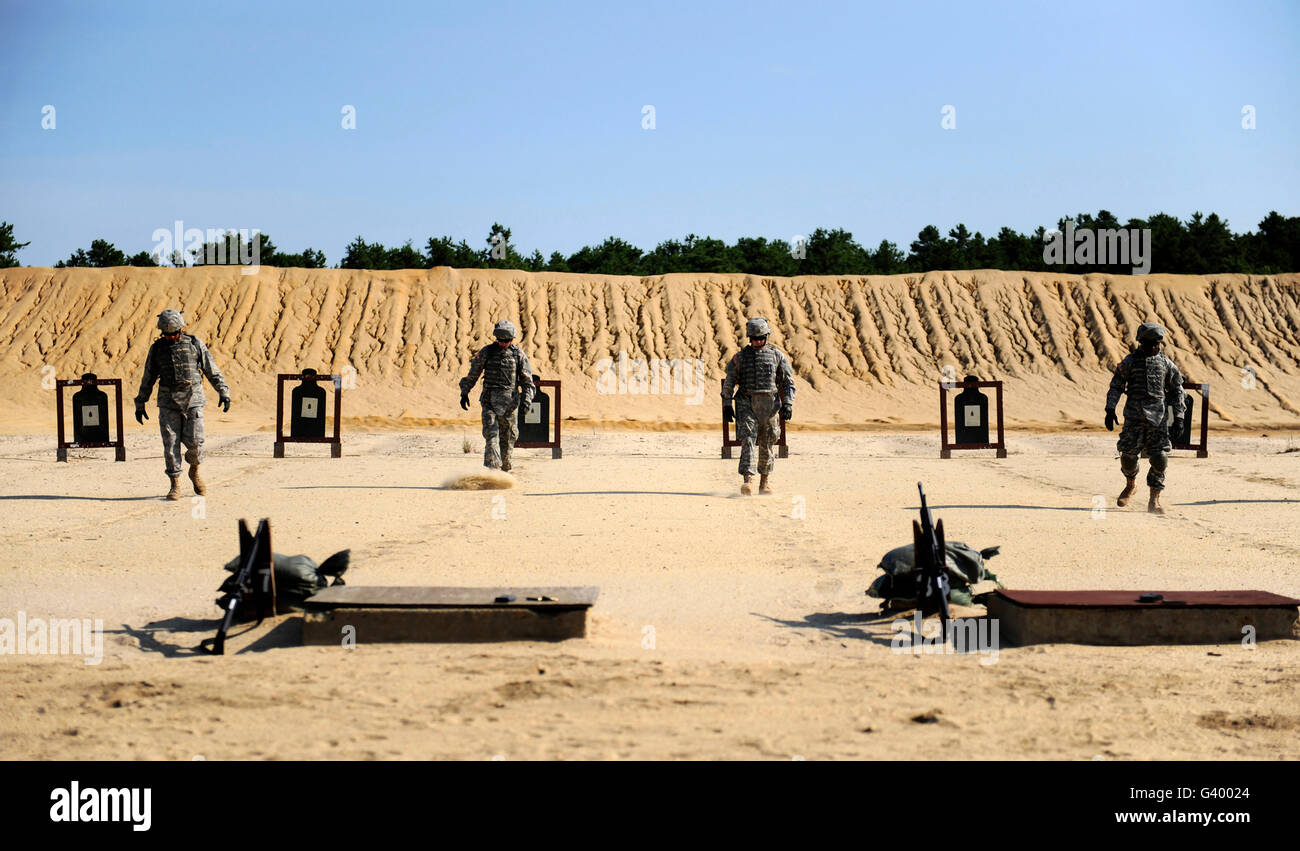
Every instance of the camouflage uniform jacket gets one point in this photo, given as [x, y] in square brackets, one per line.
[502, 370]
[754, 370]
[179, 369]
[1150, 382]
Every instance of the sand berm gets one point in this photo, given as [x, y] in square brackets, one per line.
[868, 352]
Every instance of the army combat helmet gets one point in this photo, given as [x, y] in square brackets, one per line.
[757, 327]
[504, 330]
[170, 321]
[1150, 332]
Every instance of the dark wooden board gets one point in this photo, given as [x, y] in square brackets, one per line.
[363, 626]
[434, 597]
[1189, 599]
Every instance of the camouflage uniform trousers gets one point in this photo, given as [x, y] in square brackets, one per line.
[757, 421]
[1139, 436]
[181, 426]
[500, 427]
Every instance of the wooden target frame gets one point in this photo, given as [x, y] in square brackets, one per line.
[946, 447]
[335, 442]
[553, 445]
[119, 447]
[729, 442]
[1202, 448]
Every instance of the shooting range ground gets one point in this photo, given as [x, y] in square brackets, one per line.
[726, 626]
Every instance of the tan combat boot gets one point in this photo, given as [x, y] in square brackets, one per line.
[199, 487]
[1154, 505]
[175, 492]
[1125, 495]
[747, 488]
[763, 486]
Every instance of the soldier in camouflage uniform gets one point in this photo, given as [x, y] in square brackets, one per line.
[1151, 382]
[179, 362]
[507, 387]
[762, 382]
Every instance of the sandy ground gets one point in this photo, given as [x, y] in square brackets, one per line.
[727, 626]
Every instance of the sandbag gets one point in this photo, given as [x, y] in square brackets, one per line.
[297, 577]
[965, 566]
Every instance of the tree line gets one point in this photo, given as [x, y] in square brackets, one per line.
[1200, 245]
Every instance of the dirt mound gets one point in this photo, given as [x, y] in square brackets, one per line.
[479, 480]
[868, 352]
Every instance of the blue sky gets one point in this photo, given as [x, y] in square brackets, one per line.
[770, 119]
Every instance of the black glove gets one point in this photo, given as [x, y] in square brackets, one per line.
[728, 412]
[224, 403]
[787, 411]
[1176, 427]
[141, 415]
[464, 401]
[1110, 419]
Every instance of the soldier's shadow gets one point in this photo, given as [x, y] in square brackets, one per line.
[841, 624]
[627, 493]
[364, 487]
[1234, 501]
[90, 498]
[915, 508]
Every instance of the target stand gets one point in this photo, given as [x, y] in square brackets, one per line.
[307, 417]
[1183, 440]
[541, 420]
[970, 412]
[89, 416]
[729, 442]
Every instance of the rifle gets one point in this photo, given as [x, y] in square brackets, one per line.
[931, 566]
[255, 558]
